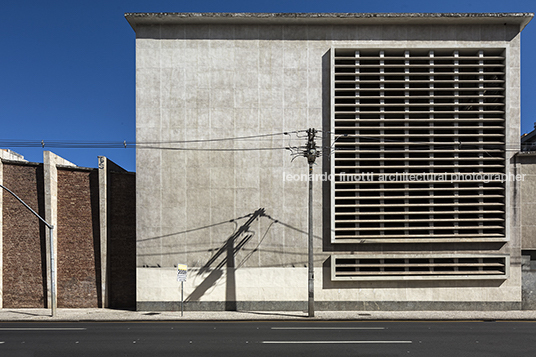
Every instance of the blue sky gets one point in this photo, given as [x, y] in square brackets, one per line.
[67, 68]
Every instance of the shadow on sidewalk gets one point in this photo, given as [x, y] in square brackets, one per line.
[268, 313]
[46, 313]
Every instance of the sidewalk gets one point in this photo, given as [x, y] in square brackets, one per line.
[26, 315]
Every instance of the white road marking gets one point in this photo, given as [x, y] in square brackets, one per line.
[328, 328]
[43, 329]
[337, 342]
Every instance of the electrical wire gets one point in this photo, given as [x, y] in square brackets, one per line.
[207, 149]
[65, 144]
[153, 145]
[144, 144]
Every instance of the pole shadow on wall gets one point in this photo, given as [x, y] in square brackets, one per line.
[230, 248]
[228, 252]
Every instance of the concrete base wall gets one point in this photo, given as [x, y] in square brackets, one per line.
[529, 280]
[286, 289]
[329, 306]
[529, 290]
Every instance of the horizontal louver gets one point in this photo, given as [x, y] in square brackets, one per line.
[415, 267]
[419, 152]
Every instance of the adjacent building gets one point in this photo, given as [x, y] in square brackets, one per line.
[93, 214]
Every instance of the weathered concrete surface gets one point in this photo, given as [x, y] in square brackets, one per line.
[142, 19]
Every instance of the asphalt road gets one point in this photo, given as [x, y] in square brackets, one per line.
[278, 338]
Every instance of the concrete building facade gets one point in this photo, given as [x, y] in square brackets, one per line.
[418, 115]
[93, 214]
[526, 164]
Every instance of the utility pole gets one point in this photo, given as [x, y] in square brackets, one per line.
[311, 154]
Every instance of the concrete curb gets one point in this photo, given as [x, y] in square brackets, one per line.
[102, 315]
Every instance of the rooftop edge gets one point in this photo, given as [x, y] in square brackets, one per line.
[145, 18]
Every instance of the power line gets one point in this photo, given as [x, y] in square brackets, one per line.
[144, 144]
[207, 149]
[64, 144]
[156, 145]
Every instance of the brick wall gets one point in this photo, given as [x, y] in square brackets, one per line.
[78, 238]
[24, 269]
[77, 234]
[122, 240]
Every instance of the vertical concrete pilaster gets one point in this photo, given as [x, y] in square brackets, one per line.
[103, 219]
[106, 166]
[513, 144]
[50, 162]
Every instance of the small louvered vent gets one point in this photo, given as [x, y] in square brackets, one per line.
[400, 267]
[419, 153]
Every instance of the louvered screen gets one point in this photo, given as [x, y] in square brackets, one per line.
[437, 267]
[419, 151]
